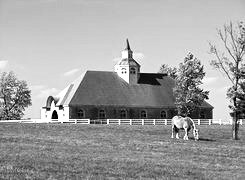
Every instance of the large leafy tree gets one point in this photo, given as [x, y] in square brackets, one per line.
[171, 71]
[230, 61]
[14, 96]
[188, 94]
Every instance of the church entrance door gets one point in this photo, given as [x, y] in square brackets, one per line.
[55, 115]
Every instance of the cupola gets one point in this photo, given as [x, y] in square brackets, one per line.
[127, 68]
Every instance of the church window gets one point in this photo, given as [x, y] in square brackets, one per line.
[123, 113]
[163, 114]
[202, 115]
[81, 113]
[132, 71]
[102, 114]
[143, 114]
[124, 71]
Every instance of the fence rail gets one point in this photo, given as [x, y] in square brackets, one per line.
[123, 121]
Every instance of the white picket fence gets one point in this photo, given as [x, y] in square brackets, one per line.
[72, 121]
[123, 121]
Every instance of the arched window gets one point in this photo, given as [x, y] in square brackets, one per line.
[54, 115]
[202, 115]
[163, 114]
[132, 71]
[81, 113]
[124, 71]
[123, 113]
[102, 114]
[143, 114]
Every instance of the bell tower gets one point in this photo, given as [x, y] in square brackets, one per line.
[127, 68]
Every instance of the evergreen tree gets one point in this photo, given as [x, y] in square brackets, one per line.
[188, 94]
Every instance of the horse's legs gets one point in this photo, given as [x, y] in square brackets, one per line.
[172, 131]
[177, 135]
[186, 134]
[176, 130]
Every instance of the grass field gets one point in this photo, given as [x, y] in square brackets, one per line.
[68, 151]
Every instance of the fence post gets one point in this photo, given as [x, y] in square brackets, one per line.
[199, 121]
[165, 121]
[220, 122]
[154, 122]
[130, 121]
[75, 121]
[241, 121]
[119, 121]
[209, 122]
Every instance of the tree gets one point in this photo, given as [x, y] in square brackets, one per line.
[188, 94]
[14, 96]
[230, 62]
[172, 72]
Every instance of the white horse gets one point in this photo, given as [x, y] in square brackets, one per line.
[185, 123]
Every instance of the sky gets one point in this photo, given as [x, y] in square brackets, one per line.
[49, 43]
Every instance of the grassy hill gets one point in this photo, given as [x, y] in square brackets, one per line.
[68, 151]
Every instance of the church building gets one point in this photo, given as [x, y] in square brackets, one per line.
[124, 93]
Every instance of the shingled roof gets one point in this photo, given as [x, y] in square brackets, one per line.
[108, 89]
[128, 61]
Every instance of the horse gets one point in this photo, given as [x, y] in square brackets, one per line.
[186, 123]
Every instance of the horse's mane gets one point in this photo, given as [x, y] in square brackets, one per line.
[193, 124]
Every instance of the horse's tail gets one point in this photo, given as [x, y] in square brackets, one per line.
[193, 124]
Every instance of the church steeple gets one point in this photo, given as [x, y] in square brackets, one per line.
[127, 53]
[127, 68]
[128, 46]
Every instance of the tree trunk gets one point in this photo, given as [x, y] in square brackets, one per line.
[235, 127]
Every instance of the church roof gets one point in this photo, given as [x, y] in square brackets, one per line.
[108, 89]
[66, 95]
[128, 61]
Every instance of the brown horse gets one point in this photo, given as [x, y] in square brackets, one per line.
[185, 123]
